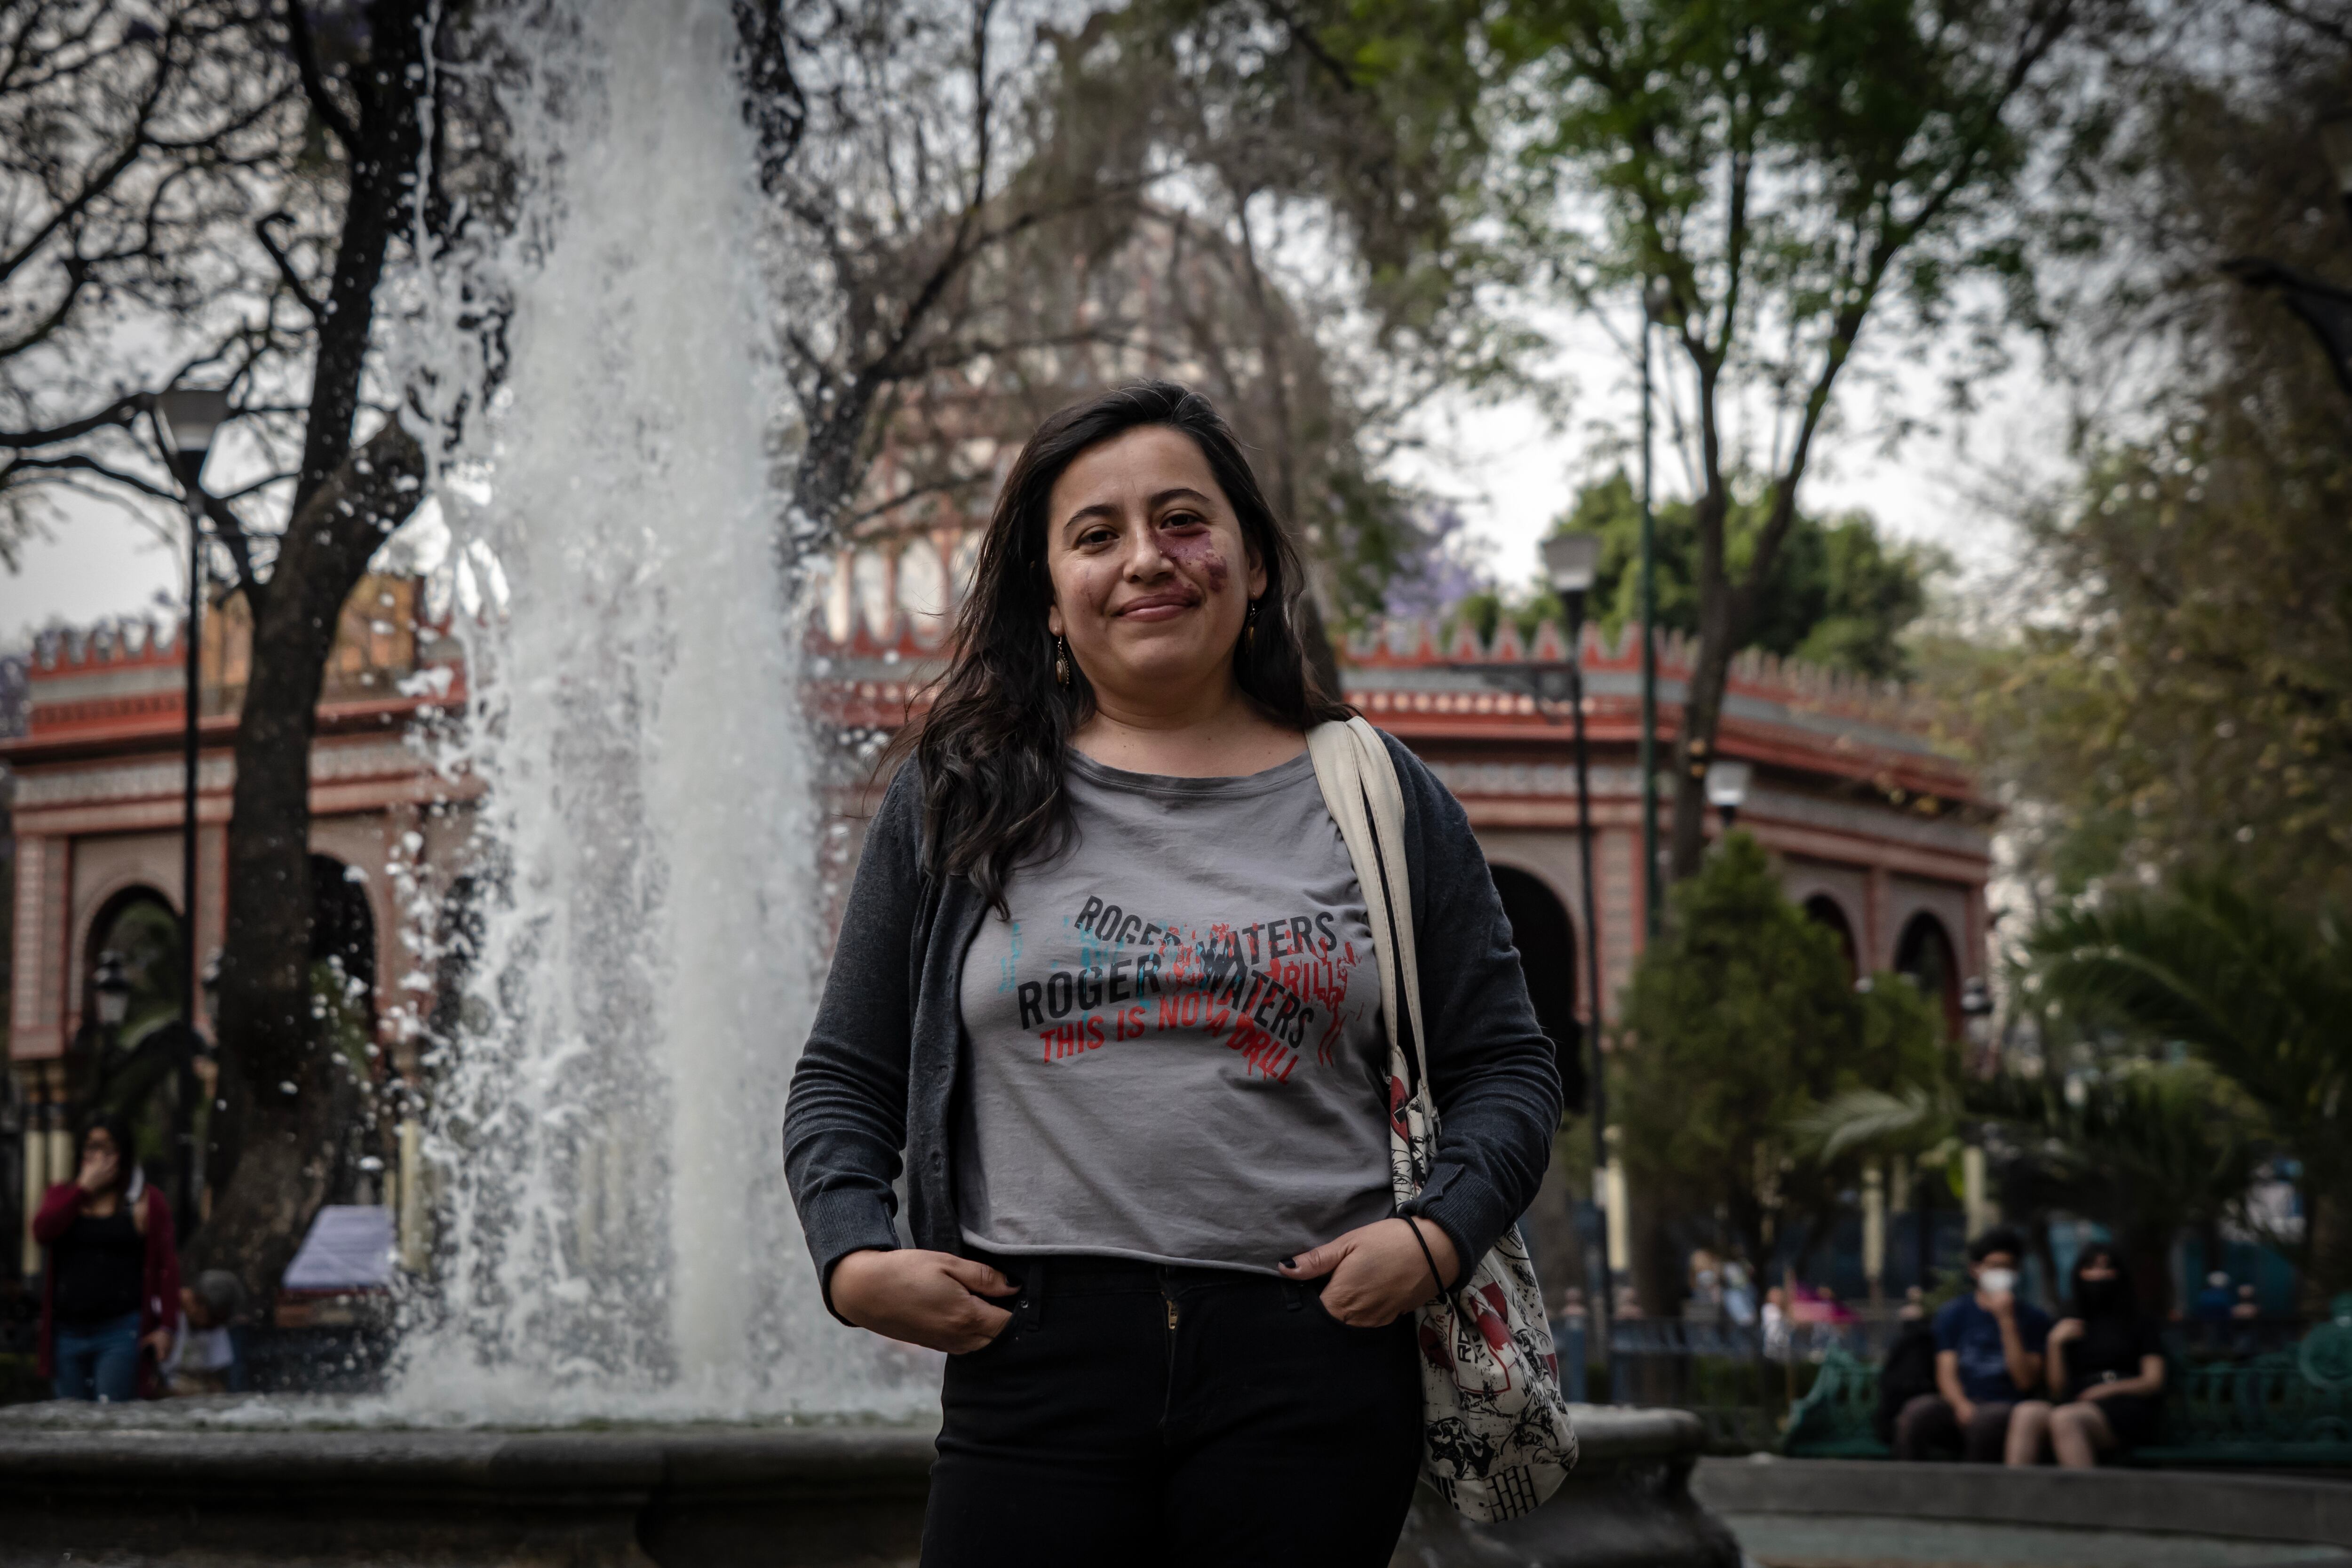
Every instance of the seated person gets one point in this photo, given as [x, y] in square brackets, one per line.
[2107, 1365]
[204, 1358]
[1908, 1371]
[1988, 1357]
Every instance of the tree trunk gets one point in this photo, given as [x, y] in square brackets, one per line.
[278, 1132]
[1657, 1272]
[280, 1144]
[1694, 745]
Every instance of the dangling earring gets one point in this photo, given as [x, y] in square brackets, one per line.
[1249, 630]
[1061, 660]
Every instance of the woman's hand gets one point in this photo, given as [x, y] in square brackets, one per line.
[1378, 1272]
[2065, 1330]
[98, 1169]
[160, 1341]
[930, 1299]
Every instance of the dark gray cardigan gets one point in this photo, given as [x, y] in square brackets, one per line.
[878, 1074]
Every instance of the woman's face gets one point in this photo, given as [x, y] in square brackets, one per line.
[1152, 576]
[98, 1144]
[2098, 1268]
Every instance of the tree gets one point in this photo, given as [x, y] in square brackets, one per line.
[1006, 222]
[1791, 175]
[2171, 686]
[347, 497]
[2261, 993]
[1738, 1022]
[1838, 594]
[131, 137]
[329, 168]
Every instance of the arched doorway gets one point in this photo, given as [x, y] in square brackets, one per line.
[1547, 944]
[1925, 955]
[139, 926]
[1825, 911]
[131, 1055]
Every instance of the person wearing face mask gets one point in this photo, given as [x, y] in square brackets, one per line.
[2106, 1367]
[1989, 1356]
[1105, 1009]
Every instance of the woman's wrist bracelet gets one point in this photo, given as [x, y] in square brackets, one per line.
[1427, 1256]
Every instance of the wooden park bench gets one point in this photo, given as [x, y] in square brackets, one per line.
[2289, 1407]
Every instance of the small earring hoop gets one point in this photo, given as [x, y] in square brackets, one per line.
[1061, 660]
[1249, 629]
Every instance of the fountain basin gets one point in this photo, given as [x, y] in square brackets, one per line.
[133, 1489]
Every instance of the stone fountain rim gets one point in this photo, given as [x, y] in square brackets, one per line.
[114, 1453]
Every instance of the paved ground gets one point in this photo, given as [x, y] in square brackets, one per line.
[1829, 1540]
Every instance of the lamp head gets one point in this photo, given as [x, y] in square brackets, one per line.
[1976, 997]
[1726, 785]
[113, 987]
[1571, 563]
[192, 415]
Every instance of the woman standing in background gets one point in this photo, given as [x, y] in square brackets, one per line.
[113, 1268]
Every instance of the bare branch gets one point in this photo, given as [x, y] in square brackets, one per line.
[305, 50]
[293, 280]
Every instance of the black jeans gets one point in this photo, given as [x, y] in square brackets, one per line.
[1930, 1426]
[1138, 1414]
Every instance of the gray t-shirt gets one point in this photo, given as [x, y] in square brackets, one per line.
[1175, 1048]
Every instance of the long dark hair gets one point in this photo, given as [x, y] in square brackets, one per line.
[996, 742]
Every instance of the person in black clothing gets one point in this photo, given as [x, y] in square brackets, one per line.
[110, 1266]
[2107, 1369]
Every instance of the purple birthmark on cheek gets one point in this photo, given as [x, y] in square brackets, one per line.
[1201, 555]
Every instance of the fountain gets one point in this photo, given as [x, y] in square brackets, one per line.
[624, 1358]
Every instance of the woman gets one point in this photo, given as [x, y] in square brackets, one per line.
[1105, 976]
[112, 1264]
[2106, 1368]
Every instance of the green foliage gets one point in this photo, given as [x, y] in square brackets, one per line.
[1838, 594]
[2195, 707]
[2144, 1148]
[1780, 159]
[1793, 175]
[2260, 993]
[1737, 1023]
[2177, 691]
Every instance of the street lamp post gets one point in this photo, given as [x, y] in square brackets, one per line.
[1727, 789]
[1571, 563]
[1976, 1016]
[111, 991]
[190, 418]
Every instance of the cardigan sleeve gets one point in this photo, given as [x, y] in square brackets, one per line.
[56, 1214]
[845, 1119]
[1491, 1068]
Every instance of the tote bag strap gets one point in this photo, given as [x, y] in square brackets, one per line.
[1361, 790]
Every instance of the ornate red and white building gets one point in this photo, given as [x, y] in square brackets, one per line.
[1876, 831]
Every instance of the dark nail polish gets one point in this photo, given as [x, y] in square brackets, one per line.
[1290, 1263]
